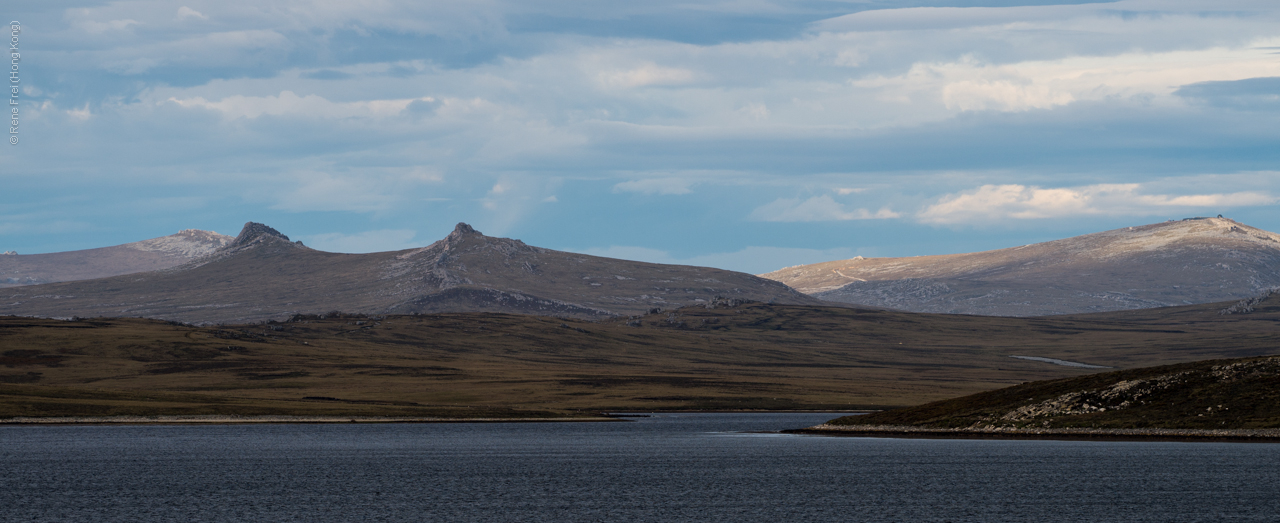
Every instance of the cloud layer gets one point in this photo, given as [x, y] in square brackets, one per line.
[688, 128]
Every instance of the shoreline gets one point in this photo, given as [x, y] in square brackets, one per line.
[242, 420]
[231, 419]
[1069, 434]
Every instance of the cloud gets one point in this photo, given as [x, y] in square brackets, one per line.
[80, 114]
[289, 103]
[645, 75]
[322, 191]
[185, 12]
[970, 84]
[992, 203]
[95, 27]
[362, 242]
[238, 48]
[655, 186]
[512, 199]
[816, 209]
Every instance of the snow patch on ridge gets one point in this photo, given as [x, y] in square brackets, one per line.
[188, 243]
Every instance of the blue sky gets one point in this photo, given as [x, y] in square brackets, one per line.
[743, 134]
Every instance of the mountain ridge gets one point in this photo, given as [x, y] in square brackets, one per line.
[140, 256]
[1196, 260]
[262, 275]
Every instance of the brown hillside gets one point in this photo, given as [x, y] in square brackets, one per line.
[722, 356]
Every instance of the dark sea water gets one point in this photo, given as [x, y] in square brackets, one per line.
[704, 467]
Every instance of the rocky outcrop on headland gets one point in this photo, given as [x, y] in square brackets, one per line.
[1202, 398]
[907, 431]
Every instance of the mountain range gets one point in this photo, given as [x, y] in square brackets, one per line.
[262, 275]
[1196, 260]
[203, 277]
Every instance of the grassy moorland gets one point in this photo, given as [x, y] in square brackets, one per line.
[748, 356]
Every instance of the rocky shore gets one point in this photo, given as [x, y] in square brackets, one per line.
[906, 431]
[147, 420]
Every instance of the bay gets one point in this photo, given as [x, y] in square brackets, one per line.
[668, 467]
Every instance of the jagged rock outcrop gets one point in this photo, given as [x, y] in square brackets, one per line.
[1197, 260]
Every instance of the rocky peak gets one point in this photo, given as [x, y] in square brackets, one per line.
[461, 232]
[254, 232]
[462, 229]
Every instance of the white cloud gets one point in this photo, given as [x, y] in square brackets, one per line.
[655, 186]
[816, 209]
[646, 74]
[992, 203]
[80, 114]
[95, 27]
[289, 103]
[512, 199]
[973, 85]
[185, 12]
[755, 111]
[368, 241]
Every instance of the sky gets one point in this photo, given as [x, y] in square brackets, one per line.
[743, 134]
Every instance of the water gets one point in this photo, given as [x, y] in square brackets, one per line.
[703, 467]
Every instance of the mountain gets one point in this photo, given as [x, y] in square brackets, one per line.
[1196, 260]
[261, 275]
[147, 255]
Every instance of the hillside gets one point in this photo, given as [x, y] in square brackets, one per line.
[1200, 260]
[147, 255]
[261, 275]
[1209, 395]
[724, 355]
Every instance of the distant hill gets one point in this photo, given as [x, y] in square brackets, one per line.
[147, 255]
[261, 275]
[1197, 260]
